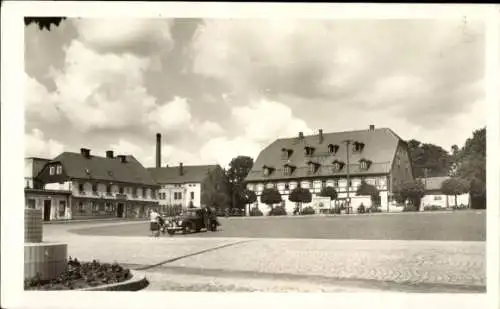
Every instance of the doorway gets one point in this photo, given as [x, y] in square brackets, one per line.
[119, 210]
[47, 205]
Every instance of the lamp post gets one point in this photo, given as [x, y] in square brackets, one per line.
[348, 142]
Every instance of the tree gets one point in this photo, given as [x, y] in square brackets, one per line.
[270, 196]
[369, 190]
[471, 166]
[329, 192]
[455, 186]
[410, 190]
[249, 197]
[429, 157]
[300, 195]
[215, 189]
[239, 168]
[43, 22]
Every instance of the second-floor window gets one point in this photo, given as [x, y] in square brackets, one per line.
[94, 188]
[121, 190]
[192, 195]
[336, 183]
[80, 187]
[108, 189]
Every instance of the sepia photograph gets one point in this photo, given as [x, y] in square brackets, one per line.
[270, 155]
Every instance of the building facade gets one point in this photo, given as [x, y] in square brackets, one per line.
[32, 167]
[340, 160]
[100, 187]
[434, 197]
[180, 186]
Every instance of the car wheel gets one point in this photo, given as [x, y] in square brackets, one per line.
[171, 232]
[188, 228]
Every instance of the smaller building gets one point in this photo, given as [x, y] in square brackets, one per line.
[180, 186]
[435, 197]
[54, 204]
[32, 167]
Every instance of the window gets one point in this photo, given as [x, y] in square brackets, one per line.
[192, 195]
[108, 189]
[312, 168]
[180, 195]
[62, 208]
[81, 207]
[94, 188]
[333, 148]
[59, 170]
[31, 203]
[437, 197]
[323, 183]
[336, 182]
[287, 170]
[51, 170]
[101, 207]
[287, 186]
[350, 183]
[121, 190]
[143, 193]
[94, 206]
[80, 187]
[107, 207]
[266, 171]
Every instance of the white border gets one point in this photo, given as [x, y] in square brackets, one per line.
[12, 152]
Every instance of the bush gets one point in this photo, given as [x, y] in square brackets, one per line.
[278, 211]
[432, 208]
[361, 209]
[459, 207]
[255, 212]
[308, 211]
[408, 208]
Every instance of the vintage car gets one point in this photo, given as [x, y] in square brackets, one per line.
[192, 220]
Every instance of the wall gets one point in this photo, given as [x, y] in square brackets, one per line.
[185, 190]
[443, 200]
[55, 201]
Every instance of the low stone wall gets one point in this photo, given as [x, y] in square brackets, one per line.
[32, 225]
[47, 259]
[136, 283]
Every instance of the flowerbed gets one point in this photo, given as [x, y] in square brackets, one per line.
[80, 275]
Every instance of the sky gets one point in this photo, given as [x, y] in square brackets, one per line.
[219, 88]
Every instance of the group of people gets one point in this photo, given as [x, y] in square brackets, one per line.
[156, 222]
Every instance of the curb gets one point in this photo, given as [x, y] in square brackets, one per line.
[93, 221]
[136, 283]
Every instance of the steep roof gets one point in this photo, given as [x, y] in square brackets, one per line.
[171, 174]
[380, 148]
[433, 183]
[76, 165]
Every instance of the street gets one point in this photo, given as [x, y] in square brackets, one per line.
[349, 253]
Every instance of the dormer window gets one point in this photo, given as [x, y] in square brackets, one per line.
[333, 148]
[308, 151]
[337, 166]
[364, 164]
[313, 167]
[286, 153]
[267, 170]
[59, 170]
[52, 170]
[358, 146]
[288, 170]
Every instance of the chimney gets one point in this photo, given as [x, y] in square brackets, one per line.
[158, 150]
[122, 158]
[109, 154]
[85, 152]
[301, 135]
[372, 127]
[181, 169]
[320, 136]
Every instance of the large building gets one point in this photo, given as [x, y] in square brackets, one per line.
[378, 156]
[96, 186]
[435, 197]
[180, 186]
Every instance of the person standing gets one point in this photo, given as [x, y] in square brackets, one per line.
[153, 223]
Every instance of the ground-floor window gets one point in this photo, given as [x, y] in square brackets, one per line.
[62, 208]
[81, 207]
[31, 203]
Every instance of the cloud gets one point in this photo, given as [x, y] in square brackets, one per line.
[41, 105]
[170, 116]
[221, 150]
[36, 145]
[266, 120]
[144, 37]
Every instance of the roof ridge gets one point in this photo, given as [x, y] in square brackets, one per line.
[339, 132]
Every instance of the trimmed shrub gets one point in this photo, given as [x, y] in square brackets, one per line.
[255, 212]
[432, 208]
[361, 209]
[278, 211]
[308, 211]
[459, 207]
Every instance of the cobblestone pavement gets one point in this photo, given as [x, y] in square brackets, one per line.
[446, 263]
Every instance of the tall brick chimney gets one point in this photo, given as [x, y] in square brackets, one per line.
[372, 127]
[109, 154]
[85, 152]
[181, 169]
[158, 150]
